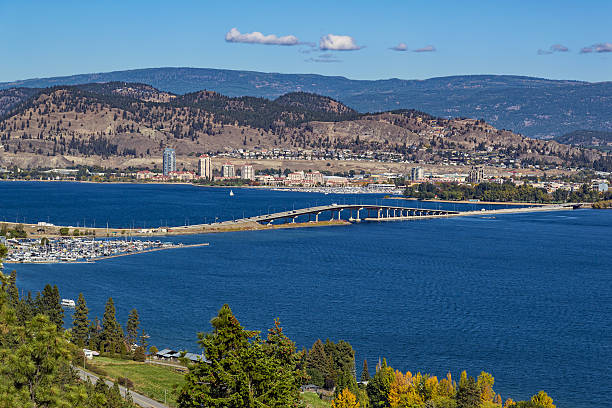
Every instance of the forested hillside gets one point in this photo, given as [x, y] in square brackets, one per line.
[534, 107]
[136, 120]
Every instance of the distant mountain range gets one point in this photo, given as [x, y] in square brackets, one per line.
[534, 107]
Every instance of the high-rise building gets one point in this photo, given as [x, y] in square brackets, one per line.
[416, 173]
[169, 161]
[476, 175]
[227, 170]
[205, 167]
[247, 172]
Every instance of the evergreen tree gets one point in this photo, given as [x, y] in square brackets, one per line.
[318, 364]
[95, 330]
[13, 293]
[379, 386]
[111, 338]
[80, 323]
[242, 370]
[468, 395]
[132, 327]
[365, 374]
[50, 304]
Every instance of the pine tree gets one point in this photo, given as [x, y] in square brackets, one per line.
[132, 327]
[112, 334]
[317, 364]
[365, 374]
[80, 324]
[49, 304]
[243, 371]
[13, 293]
[379, 385]
[468, 395]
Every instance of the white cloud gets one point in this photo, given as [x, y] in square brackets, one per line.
[553, 48]
[400, 47]
[326, 58]
[603, 47]
[558, 48]
[334, 42]
[429, 48]
[256, 37]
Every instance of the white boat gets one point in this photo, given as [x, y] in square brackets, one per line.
[231, 193]
[68, 303]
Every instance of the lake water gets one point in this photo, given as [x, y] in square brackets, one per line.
[526, 297]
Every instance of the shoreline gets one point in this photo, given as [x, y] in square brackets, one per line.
[469, 202]
[53, 231]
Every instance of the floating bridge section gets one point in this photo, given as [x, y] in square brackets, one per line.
[351, 212]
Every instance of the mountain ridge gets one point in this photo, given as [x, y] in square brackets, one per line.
[536, 107]
[133, 122]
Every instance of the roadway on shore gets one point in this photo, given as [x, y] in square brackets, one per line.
[139, 399]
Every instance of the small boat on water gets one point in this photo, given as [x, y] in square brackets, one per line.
[231, 193]
[68, 303]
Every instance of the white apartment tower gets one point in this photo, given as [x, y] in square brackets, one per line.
[228, 171]
[247, 172]
[205, 167]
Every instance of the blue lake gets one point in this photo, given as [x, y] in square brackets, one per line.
[526, 297]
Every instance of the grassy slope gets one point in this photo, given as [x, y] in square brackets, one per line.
[149, 379]
[312, 400]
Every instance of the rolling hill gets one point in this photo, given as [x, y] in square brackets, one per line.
[124, 121]
[534, 107]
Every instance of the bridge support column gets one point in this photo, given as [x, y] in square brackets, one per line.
[317, 217]
[379, 211]
[339, 211]
[293, 219]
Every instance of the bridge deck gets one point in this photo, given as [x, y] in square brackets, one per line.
[382, 212]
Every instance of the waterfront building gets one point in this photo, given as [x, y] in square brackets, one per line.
[247, 172]
[416, 173]
[314, 178]
[476, 175]
[205, 167]
[169, 163]
[228, 171]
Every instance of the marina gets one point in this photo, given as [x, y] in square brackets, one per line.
[80, 250]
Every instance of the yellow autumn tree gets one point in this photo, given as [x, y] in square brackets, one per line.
[509, 403]
[485, 383]
[345, 399]
[542, 399]
[447, 387]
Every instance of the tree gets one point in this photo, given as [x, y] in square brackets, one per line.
[111, 337]
[49, 304]
[543, 400]
[132, 327]
[13, 293]
[345, 399]
[242, 370]
[379, 386]
[318, 364]
[139, 354]
[80, 323]
[153, 350]
[468, 395]
[365, 374]
[485, 383]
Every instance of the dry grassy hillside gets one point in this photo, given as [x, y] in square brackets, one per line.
[135, 122]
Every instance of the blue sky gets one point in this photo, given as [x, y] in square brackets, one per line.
[51, 38]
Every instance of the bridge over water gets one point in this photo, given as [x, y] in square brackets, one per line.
[351, 212]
